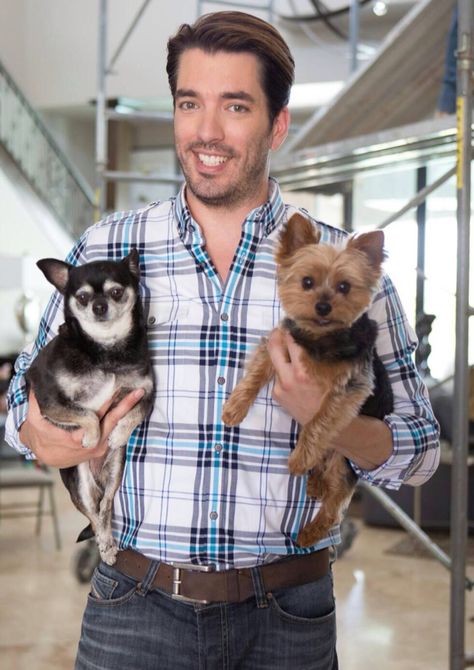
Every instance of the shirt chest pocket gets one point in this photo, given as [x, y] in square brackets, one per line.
[171, 313]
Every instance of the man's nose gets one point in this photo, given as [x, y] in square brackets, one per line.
[210, 127]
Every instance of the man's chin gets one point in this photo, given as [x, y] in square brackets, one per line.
[212, 197]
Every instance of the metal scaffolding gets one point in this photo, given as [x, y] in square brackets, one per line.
[458, 657]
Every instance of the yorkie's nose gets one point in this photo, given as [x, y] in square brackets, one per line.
[323, 308]
[99, 307]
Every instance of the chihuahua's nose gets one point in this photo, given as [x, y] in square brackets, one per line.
[99, 307]
[323, 308]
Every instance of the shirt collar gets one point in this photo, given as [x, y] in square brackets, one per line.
[262, 220]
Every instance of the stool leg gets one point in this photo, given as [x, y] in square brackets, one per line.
[52, 507]
[39, 513]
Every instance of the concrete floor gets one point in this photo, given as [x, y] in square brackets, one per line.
[393, 611]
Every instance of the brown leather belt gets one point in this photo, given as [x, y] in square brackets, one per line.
[202, 584]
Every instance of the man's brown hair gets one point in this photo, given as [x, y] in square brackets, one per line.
[238, 32]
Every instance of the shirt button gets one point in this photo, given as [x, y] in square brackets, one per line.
[218, 448]
[151, 320]
[213, 516]
[224, 317]
[221, 380]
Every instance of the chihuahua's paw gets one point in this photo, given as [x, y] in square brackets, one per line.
[234, 412]
[90, 440]
[108, 551]
[120, 434]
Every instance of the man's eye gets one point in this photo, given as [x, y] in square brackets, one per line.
[82, 299]
[187, 105]
[238, 108]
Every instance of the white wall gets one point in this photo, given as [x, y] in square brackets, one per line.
[50, 47]
[27, 229]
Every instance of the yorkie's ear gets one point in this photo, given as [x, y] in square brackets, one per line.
[371, 244]
[297, 233]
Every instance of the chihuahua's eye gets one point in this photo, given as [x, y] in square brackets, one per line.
[116, 293]
[82, 299]
[343, 287]
[307, 283]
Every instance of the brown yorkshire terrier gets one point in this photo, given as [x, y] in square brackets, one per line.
[325, 292]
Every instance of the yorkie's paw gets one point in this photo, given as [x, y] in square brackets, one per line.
[297, 463]
[313, 486]
[234, 412]
[307, 537]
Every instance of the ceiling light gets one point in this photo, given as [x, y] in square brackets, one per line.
[315, 94]
[379, 8]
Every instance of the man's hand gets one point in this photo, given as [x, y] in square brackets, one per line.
[62, 449]
[295, 390]
[366, 441]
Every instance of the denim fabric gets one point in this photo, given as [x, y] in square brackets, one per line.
[126, 626]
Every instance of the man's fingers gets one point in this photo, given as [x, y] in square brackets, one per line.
[112, 417]
[105, 407]
[37, 420]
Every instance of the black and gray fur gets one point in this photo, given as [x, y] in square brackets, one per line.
[100, 352]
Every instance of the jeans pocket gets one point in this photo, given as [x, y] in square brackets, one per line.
[308, 604]
[110, 587]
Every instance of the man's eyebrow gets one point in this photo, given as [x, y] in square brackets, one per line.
[238, 95]
[185, 93]
[227, 95]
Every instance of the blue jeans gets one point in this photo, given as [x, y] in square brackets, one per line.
[129, 626]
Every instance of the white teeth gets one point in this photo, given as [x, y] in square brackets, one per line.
[211, 160]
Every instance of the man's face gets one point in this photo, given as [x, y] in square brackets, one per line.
[222, 130]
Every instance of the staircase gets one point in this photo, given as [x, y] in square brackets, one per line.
[30, 145]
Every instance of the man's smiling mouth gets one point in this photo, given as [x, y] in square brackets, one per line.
[211, 161]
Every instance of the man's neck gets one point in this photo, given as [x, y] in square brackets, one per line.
[222, 228]
[211, 217]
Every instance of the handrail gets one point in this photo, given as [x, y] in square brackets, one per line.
[30, 144]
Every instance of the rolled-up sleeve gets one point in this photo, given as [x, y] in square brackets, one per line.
[415, 431]
[17, 397]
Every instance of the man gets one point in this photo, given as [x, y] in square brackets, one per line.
[220, 500]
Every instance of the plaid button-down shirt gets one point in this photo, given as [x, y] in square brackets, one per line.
[193, 489]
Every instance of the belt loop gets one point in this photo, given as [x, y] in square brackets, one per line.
[144, 586]
[259, 588]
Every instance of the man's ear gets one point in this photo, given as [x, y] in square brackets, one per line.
[280, 127]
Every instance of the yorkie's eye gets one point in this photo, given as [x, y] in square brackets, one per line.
[116, 293]
[82, 299]
[307, 283]
[343, 287]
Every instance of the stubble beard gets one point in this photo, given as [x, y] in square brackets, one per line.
[247, 184]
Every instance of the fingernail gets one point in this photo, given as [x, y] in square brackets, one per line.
[138, 393]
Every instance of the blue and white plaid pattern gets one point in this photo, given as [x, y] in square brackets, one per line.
[195, 490]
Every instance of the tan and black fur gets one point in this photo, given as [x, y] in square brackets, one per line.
[325, 292]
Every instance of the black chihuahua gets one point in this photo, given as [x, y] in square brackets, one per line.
[99, 353]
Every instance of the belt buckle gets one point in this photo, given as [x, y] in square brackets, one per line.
[176, 591]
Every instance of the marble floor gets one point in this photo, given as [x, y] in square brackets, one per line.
[393, 610]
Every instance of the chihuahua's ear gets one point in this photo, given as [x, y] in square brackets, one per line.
[371, 244]
[298, 232]
[56, 272]
[133, 262]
